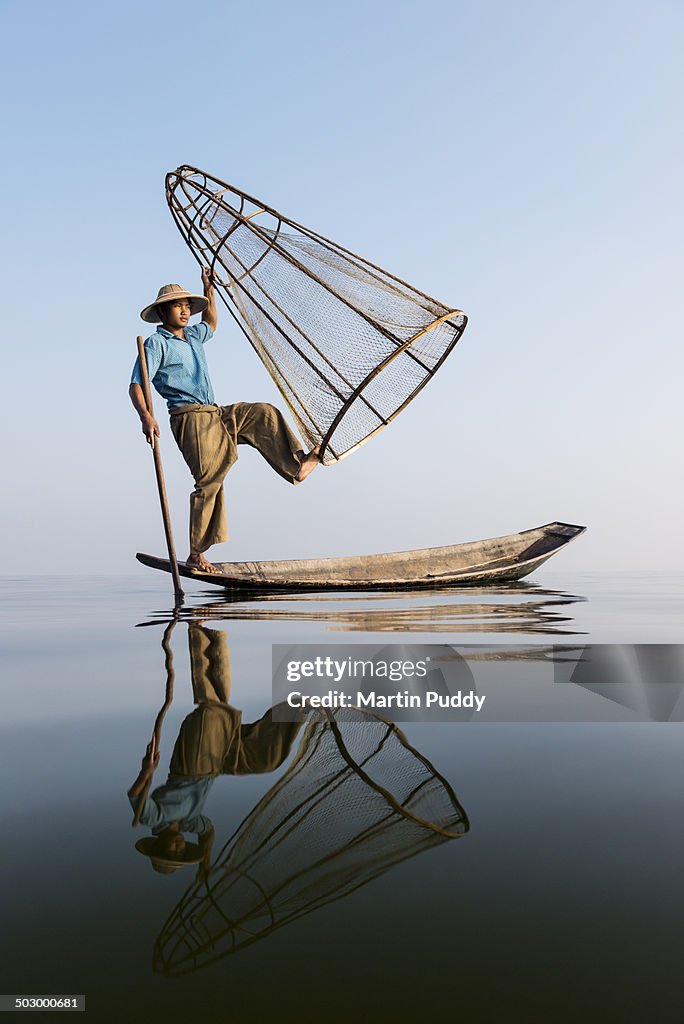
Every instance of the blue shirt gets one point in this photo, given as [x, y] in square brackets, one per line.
[178, 369]
[179, 800]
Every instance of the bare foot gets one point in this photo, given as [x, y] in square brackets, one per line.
[199, 563]
[308, 463]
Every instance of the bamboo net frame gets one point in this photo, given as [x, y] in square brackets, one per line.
[347, 344]
[356, 800]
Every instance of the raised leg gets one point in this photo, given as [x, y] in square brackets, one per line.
[265, 428]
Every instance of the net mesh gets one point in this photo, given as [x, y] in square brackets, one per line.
[347, 344]
[356, 800]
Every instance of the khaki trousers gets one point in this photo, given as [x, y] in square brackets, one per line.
[208, 436]
[213, 739]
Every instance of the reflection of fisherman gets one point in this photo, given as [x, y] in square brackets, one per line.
[212, 741]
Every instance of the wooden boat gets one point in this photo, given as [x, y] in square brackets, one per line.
[497, 560]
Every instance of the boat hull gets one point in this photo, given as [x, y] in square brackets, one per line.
[495, 560]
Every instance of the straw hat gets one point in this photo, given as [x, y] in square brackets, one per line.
[167, 293]
[192, 854]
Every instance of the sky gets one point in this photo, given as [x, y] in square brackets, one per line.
[518, 160]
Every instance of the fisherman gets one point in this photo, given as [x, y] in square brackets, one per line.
[207, 434]
[213, 740]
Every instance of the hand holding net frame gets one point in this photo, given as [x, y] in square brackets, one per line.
[347, 344]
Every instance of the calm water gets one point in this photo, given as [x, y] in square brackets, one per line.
[524, 871]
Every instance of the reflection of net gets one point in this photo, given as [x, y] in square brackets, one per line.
[356, 800]
[347, 344]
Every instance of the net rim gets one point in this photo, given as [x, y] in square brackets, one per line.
[376, 371]
[403, 739]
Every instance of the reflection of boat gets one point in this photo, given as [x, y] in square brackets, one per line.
[506, 608]
[481, 561]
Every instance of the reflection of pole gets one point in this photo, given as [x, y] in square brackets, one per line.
[160, 474]
[156, 734]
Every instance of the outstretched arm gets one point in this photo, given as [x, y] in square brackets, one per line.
[209, 315]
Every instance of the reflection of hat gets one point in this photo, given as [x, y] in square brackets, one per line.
[169, 293]
[167, 865]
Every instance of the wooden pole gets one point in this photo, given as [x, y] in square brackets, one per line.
[155, 742]
[160, 475]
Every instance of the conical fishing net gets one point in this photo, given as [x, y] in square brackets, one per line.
[356, 800]
[347, 344]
